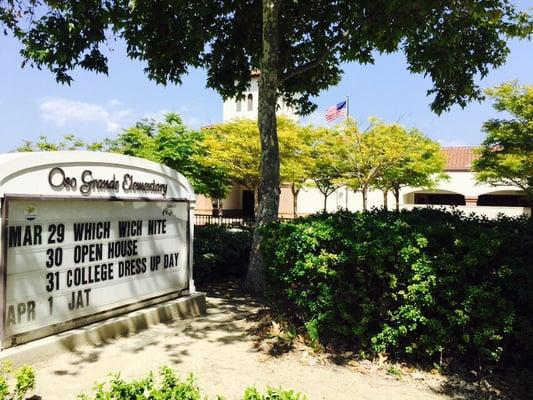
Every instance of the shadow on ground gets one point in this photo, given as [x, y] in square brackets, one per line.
[228, 311]
[233, 316]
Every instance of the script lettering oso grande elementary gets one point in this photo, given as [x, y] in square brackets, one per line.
[58, 179]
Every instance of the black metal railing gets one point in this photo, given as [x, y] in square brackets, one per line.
[207, 219]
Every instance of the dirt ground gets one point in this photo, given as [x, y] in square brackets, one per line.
[221, 350]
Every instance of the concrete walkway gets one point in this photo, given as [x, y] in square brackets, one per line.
[219, 350]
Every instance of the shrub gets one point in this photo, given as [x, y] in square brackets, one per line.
[421, 284]
[23, 378]
[220, 252]
[272, 394]
[168, 386]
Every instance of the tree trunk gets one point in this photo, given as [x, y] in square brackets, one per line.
[295, 191]
[269, 187]
[364, 192]
[256, 201]
[386, 199]
[396, 191]
[326, 202]
[219, 207]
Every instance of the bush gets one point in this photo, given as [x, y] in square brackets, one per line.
[220, 252]
[272, 394]
[422, 284]
[23, 378]
[171, 387]
[168, 387]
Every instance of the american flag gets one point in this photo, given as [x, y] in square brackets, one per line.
[336, 111]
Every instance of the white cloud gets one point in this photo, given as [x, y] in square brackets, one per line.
[61, 112]
[112, 127]
[115, 102]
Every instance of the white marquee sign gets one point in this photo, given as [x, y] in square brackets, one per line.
[86, 236]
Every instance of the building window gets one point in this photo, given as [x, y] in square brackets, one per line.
[250, 102]
[239, 105]
[442, 199]
[502, 200]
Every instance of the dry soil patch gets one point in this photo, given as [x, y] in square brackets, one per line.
[219, 349]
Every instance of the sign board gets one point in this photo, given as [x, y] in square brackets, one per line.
[105, 237]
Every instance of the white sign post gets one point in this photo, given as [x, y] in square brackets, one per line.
[86, 236]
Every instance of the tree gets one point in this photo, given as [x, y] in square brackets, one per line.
[327, 157]
[298, 47]
[295, 156]
[506, 154]
[369, 154]
[420, 164]
[234, 147]
[69, 142]
[172, 144]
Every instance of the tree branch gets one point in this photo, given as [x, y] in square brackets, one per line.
[307, 66]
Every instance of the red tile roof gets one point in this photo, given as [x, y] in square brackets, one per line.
[458, 158]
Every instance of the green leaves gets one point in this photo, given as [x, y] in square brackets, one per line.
[451, 42]
[421, 284]
[506, 155]
[23, 378]
[252, 393]
[170, 387]
[387, 157]
[234, 147]
[69, 143]
[220, 252]
[171, 143]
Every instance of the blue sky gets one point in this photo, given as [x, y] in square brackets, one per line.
[99, 106]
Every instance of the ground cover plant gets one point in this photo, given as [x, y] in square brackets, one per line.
[424, 285]
[15, 383]
[169, 386]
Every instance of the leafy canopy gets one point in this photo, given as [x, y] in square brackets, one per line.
[367, 154]
[451, 42]
[299, 47]
[171, 143]
[420, 164]
[234, 147]
[387, 157]
[506, 154]
[68, 143]
[327, 150]
[168, 142]
[295, 152]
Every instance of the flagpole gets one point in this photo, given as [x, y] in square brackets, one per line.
[346, 192]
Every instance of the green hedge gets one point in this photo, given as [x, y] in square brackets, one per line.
[425, 284]
[220, 252]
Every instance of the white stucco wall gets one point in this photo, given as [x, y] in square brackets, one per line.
[464, 183]
[310, 200]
